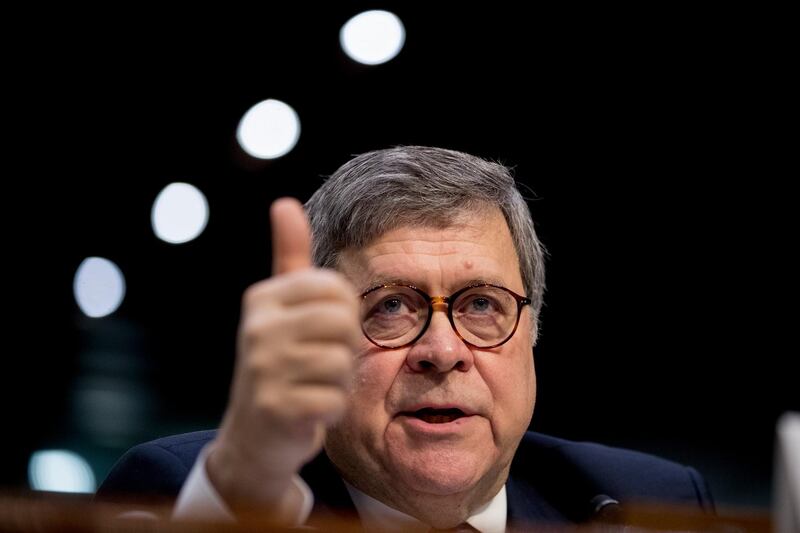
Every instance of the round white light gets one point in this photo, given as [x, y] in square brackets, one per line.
[373, 37]
[99, 287]
[60, 471]
[268, 130]
[180, 213]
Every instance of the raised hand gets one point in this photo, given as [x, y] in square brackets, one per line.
[294, 362]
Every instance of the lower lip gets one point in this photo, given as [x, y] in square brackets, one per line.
[417, 425]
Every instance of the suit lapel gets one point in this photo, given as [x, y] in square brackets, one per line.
[332, 502]
[527, 507]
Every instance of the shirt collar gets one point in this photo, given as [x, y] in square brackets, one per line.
[377, 516]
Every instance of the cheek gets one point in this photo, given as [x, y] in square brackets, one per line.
[513, 386]
[374, 373]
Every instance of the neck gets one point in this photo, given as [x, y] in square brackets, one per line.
[437, 510]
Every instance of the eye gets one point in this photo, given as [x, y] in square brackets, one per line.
[480, 304]
[392, 305]
[477, 305]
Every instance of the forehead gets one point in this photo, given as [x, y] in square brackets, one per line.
[477, 247]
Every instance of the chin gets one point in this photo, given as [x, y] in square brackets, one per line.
[441, 472]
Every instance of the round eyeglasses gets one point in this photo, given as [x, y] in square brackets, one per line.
[483, 316]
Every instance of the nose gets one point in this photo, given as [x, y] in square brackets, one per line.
[440, 349]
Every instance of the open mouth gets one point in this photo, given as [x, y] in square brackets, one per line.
[436, 416]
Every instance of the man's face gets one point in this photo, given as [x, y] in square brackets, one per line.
[379, 445]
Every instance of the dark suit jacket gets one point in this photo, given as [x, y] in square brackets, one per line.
[551, 480]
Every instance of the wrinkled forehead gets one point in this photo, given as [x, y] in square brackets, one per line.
[463, 217]
[474, 248]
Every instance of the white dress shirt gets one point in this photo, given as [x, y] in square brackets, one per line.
[376, 516]
[199, 500]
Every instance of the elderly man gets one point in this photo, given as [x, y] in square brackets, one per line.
[386, 369]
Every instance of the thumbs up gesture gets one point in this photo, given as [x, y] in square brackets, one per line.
[294, 361]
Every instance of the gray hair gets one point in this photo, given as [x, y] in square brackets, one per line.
[419, 186]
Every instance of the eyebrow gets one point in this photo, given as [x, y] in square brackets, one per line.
[377, 282]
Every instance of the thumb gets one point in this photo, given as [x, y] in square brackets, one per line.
[291, 236]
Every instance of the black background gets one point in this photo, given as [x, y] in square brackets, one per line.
[654, 143]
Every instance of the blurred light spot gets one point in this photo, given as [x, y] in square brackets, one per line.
[372, 37]
[60, 471]
[180, 213]
[269, 129]
[111, 409]
[99, 287]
